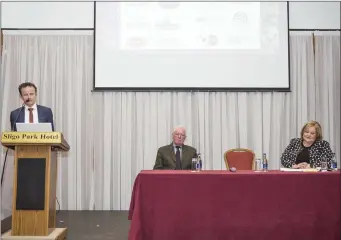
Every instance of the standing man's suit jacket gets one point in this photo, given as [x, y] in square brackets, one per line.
[165, 158]
[44, 116]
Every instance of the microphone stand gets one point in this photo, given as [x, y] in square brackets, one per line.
[12, 129]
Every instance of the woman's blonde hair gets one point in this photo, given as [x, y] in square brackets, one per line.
[317, 127]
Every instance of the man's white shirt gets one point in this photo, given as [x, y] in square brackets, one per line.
[35, 114]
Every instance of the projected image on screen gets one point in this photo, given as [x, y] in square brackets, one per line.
[196, 45]
[184, 25]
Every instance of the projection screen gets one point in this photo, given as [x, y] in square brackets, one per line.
[191, 45]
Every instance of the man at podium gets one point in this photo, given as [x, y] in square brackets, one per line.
[30, 112]
[35, 169]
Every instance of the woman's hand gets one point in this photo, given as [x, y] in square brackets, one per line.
[302, 165]
[307, 166]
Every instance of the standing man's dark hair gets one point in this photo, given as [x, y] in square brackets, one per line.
[26, 84]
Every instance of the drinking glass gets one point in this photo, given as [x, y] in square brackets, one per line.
[194, 164]
[324, 165]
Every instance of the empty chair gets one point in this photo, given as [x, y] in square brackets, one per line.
[240, 158]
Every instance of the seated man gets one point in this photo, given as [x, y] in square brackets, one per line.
[176, 155]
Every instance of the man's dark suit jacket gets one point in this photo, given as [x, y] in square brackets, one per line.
[44, 116]
[165, 158]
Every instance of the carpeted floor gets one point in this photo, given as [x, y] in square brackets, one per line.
[94, 225]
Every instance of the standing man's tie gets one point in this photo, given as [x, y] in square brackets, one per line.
[177, 157]
[31, 115]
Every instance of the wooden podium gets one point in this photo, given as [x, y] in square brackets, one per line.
[34, 184]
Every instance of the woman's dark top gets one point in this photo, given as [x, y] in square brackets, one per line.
[303, 156]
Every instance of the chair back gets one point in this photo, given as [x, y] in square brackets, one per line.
[240, 158]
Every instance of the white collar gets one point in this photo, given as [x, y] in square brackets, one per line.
[34, 107]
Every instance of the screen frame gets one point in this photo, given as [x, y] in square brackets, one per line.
[190, 89]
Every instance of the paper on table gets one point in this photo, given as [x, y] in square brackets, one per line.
[291, 170]
[311, 170]
[299, 170]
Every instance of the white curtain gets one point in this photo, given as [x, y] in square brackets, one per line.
[60, 64]
[115, 135]
[327, 74]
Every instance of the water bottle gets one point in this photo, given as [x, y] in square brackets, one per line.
[265, 163]
[199, 163]
[334, 163]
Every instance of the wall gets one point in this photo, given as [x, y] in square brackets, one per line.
[303, 15]
[314, 15]
[31, 14]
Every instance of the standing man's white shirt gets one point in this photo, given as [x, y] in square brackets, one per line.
[35, 114]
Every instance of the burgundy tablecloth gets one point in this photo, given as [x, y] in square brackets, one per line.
[211, 205]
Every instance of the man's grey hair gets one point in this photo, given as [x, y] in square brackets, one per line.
[177, 127]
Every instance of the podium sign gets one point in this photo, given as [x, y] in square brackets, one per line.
[56, 139]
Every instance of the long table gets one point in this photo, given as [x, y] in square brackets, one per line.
[212, 205]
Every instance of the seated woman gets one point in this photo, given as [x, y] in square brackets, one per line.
[308, 150]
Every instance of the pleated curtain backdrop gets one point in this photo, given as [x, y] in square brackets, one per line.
[115, 135]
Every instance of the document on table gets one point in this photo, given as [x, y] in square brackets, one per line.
[299, 170]
[291, 170]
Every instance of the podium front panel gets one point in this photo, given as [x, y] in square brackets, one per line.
[31, 184]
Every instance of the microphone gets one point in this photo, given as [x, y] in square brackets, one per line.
[16, 119]
[233, 169]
